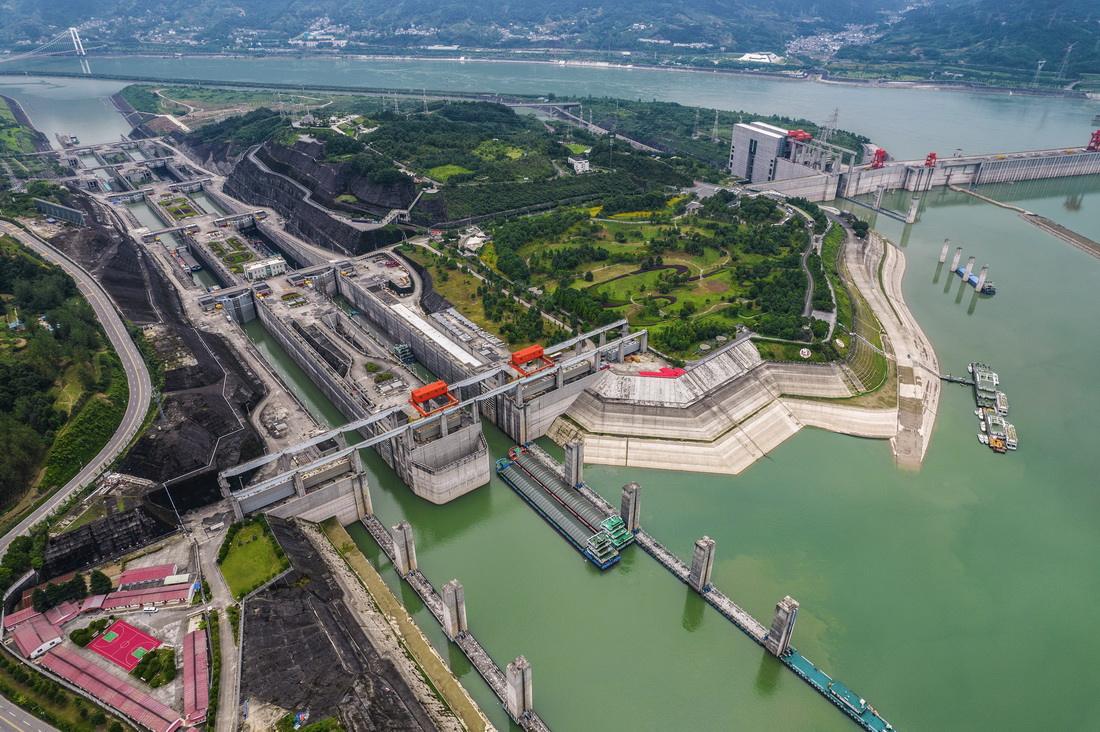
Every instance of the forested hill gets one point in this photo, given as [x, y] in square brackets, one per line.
[1006, 34]
[735, 24]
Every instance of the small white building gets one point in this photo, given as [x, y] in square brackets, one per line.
[262, 269]
[580, 165]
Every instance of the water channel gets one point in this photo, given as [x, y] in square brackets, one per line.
[146, 216]
[956, 597]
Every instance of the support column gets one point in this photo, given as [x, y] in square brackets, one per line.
[454, 609]
[361, 492]
[404, 549]
[621, 355]
[955, 261]
[969, 269]
[943, 252]
[628, 508]
[574, 463]
[559, 377]
[914, 206]
[878, 196]
[702, 562]
[518, 688]
[644, 343]
[299, 484]
[981, 277]
[778, 640]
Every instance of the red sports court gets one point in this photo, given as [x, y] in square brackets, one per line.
[123, 645]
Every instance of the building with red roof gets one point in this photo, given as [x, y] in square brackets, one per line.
[132, 578]
[63, 613]
[35, 637]
[19, 616]
[196, 677]
[149, 596]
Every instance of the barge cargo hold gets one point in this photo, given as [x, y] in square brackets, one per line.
[596, 546]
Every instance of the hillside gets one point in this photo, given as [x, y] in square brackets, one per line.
[1003, 35]
[734, 24]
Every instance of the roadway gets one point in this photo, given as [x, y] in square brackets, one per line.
[14, 718]
[137, 377]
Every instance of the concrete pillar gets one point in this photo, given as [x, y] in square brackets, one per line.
[943, 252]
[955, 261]
[404, 549]
[878, 196]
[519, 396]
[981, 277]
[454, 609]
[574, 463]
[443, 426]
[702, 562]
[778, 640]
[914, 206]
[361, 492]
[299, 484]
[621, 355]
[238, 514]
[628, 508]
[223, 484]
[559, 377]
[603, 338]
[518, 689]
[969, 268]
[644, 342]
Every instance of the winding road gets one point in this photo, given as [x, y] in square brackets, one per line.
[137, 376]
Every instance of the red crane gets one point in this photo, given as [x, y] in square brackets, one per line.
[1094, 143]
[800, 135]
[879, 160]
[930, 160]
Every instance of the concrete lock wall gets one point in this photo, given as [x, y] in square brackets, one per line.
[337, 499]
[426, 352]
[273, 494]
[449, 466]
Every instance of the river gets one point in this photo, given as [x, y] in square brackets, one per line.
[958, 597]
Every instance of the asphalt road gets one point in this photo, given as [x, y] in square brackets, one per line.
[137, 377]
[14, 718]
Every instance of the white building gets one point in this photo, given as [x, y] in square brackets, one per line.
[755, 149]
[262, 269]
[580, 165]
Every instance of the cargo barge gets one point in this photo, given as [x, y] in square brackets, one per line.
[561, 506]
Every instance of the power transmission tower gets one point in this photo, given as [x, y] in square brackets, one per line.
[1065, 61]
[1038, 70]
[831, 125]
[714, 130]
[695, 129]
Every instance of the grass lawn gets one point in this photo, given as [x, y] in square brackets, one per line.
[497, 150]
[576, 148]
[443, 173]
[252, 559]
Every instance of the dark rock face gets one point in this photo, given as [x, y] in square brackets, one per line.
[102, 540]
[308, 651]
[310, 221]
[329, 180]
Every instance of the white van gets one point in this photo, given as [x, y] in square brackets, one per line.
[149, 609]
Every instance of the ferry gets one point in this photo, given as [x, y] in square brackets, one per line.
[1010, 436]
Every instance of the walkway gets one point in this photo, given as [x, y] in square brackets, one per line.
[137, 377]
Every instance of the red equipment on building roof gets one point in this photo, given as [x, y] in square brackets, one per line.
[524, 357]
[422, 398]
[879, 160]
[800, 135]
[1094, 143]
[930, 160]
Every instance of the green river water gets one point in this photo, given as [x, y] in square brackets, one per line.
[958, 597]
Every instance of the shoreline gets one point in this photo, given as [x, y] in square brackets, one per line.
[797, 76]
[41, 142]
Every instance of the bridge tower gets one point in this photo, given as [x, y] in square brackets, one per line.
[404, 549]
[628, 509]
[78, 47]
[778, 640]
[519, 691]
[454, 609]
[702, 563]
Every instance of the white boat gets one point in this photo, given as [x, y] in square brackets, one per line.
[1010, 436]
[984, 439]
[982, 425]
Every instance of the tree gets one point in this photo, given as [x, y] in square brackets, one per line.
[101, 583]
[39, 601]
[861, 227]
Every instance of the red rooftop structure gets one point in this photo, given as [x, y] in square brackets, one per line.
[523, 359]
[432, 398]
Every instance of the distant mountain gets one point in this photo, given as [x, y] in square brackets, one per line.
[1006, 34]
[614, 24]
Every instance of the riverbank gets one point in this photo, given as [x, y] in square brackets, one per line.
[41, 142]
